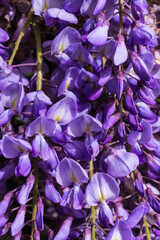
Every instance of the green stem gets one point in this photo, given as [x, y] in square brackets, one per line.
[21, 34]
[39, 57]
[39, 87]
[34, 203]
[146, 228]
[91, 172]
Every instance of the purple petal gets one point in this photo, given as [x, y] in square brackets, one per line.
[51, 193]
[64, 39]
[3, 35]
[99, 6]
[24, 165]
[101, 187]
[13, 147]
[17, 225]
[26, 188]
[121, 163]
[105, 215]
[74, 173]
[39, 215]
[120, 231]
[121, 54]
[83, 124]
[136, 215]
[64, 231]
[63, 111]
[41, 125]
[98, 36]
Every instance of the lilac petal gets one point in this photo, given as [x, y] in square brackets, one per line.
[64, 39]
[120, 211]
[39, 215]
[44, 148]
[121, 163]
[6, 116]
[64, 231]
[68, 17]
[140, 186]
[120, 231]
[146, 113]
[74, 173]
[53, 160]
[121, 54]
[134, 124]
[12, 96]
[111, 121]
[3, 35]
[121, 133]
[72, 6]
[101, 187]
[26, 188]
[155, 205]
[99, 6]
[13, 147]
[130, 105]
[140, 67]
[77, 198]
[41, 125]
[79, 53]
[5, 229]
[61, 14]
[36, 146]
[76, 150]
[5, 203]
[51, 193]
[137, 150]
[63, 111]
[4, 219]
[24, 165]
[95, 94]
[145, 95]
[83, 124]
[7, 171]
[17, 225]
[105, 75]
[98, 36]
[154, 164]
[136, 215]
[105, 215]
[92, 145]
[59, 136]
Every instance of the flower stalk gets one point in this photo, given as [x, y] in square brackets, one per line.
[91, 172]
[39, 87]
[21, 34]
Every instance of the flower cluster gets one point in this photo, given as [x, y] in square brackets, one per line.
[79, 119]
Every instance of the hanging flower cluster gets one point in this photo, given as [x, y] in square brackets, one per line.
[79, 119]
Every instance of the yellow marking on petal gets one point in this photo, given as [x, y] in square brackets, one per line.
[104, 61]
[45, 6]
[102, 198]
[20, 149]
[132, 71]
[62, 48]
[73, 178]
[13, 103]
[58, 118]
[40, 130]
[67, 85]
[88, 128]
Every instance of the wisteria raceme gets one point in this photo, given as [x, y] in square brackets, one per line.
[80, 119]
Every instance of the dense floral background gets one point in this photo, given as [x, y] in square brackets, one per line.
[80, 119]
